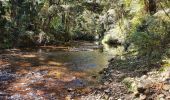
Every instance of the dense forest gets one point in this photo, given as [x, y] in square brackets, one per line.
[138, 31]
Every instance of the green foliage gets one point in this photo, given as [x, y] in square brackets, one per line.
[148, 35]
[130, 84]
[57, 28]
[150, 38]
[77, 9]
[2, 13]
[94, 7]
[74, 19]
[6, 43]
[56, 23]
[80, 35]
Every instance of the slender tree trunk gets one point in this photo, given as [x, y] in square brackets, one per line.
[150, 6]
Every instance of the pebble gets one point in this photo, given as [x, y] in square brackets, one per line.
[167, 81]
[6, 77]
[161, 95]
[106, 97]
[168, 97]
[111, 70]
[111, 98]
[28, 89]
[106, 83]
[107, 91]
[142, 97]
[161, 99]
[70, 89]
[68, 97]
[166, 87]
[144, 77]
[15, 97]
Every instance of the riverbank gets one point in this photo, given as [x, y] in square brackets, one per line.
[131, 79]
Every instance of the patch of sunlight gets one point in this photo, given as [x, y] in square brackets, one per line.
[79, 74]
[54, 47]
[28, 56]
[136, 20]
[22, 71]
[56, 74]
[136, 6]
[3, 62]
[24, 64]
[115, 51]
[42, 58]
[114, 34]
[118, 51]
[166, 65]
[162, 14]
[167, 61]
[54, 63]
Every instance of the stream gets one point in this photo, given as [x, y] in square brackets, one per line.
[51, 72]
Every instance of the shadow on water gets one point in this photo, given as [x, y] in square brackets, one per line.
[50, 72]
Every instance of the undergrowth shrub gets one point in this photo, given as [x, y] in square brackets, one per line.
[151, 38]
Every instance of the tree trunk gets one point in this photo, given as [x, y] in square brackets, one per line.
[150, 6]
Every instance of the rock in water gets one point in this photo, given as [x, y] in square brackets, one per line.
[6, 77]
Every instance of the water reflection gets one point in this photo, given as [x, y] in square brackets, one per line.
[88, 61]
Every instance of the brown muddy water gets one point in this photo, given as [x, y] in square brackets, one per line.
[51, 73]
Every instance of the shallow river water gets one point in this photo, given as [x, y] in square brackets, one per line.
[51, 73]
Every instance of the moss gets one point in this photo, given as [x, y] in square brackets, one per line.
[165, 66]
[130, 84]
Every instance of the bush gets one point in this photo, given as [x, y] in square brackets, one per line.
[78, 35]
[151, 38]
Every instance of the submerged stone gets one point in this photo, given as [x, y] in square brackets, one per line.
[6, 77]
